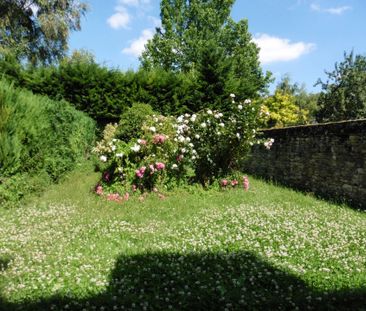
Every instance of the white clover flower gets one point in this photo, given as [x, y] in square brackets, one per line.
[217, 116]
[193, 158]
[222, 124]
[209, 111]
[247, 101]
[191, 145]
[119, 155]
[187, 115]
[181, 139]
[197, 136]
[174, 166]
[240, 107]
[188, 139]
[220, 115]
[152, 129]
[194, 151]
[180, 119]
[103, 158]
[203, 124]
[232, 95]
[184, 150]
[193, 118]
[136, 148]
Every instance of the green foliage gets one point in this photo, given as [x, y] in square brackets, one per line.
[37, 134]
[190, 30]
[283, 110]
[130, 125]
[38, 30]
[343, 95]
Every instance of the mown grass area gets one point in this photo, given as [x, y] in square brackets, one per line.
[267, 249]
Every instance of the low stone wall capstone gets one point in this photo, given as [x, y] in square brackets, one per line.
[326, 159]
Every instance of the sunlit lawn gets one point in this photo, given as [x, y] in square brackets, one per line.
[269, 248]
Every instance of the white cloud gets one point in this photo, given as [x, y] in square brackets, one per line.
[274, 49]
[335, 11]
[120, 19]
[138, 45]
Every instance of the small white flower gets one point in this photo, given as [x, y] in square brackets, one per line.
[174, 166]
[180, 119]
[232, 95]
[181, 139]
[113, 147]
[152, 129]
[193, 118]
[197, 136]
[238, 135]
[222, 124]
[217, 116]
[247, 101]
[187, 115]
[194, 151]
[136, 148]
[184, 150]
[119, 155]
[103, 158]
[193, 158]
[120, 169]
[220, 115]
[203, 125]
[186, 121]
[188, 139]
[191, 145]
[209, 111]
[240, 107]
[114, 140]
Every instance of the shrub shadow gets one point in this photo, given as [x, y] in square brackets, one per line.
[200, 281]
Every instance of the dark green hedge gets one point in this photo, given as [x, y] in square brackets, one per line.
[39, 135]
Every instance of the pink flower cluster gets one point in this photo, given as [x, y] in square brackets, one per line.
[116, 197]
[159, 139]
[224, 183]
[245, 183]
[140, 172]
[159, 166]
[99, 189]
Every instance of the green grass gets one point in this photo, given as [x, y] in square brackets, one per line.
[270, 248]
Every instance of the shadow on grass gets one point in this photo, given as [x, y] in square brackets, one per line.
[204, 281]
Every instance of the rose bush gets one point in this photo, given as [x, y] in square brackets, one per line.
[199, 147]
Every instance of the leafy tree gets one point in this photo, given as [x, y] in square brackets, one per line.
[282, 110]
[343, 95]
[38, 30]
[306, 102]
[192, 28]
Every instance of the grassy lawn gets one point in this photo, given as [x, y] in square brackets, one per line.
[269, 248]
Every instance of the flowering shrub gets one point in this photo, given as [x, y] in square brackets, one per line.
[198, 147]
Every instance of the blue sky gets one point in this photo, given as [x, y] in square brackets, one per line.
[301, 38]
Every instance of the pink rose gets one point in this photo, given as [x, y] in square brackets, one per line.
[99, 190]
[224, 183]
[114, 197]
[234, 182]
[159, 139]
[245, 183]
[159, 166]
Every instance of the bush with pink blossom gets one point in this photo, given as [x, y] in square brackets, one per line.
[200, 147]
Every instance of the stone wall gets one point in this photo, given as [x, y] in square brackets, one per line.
[326, 159]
